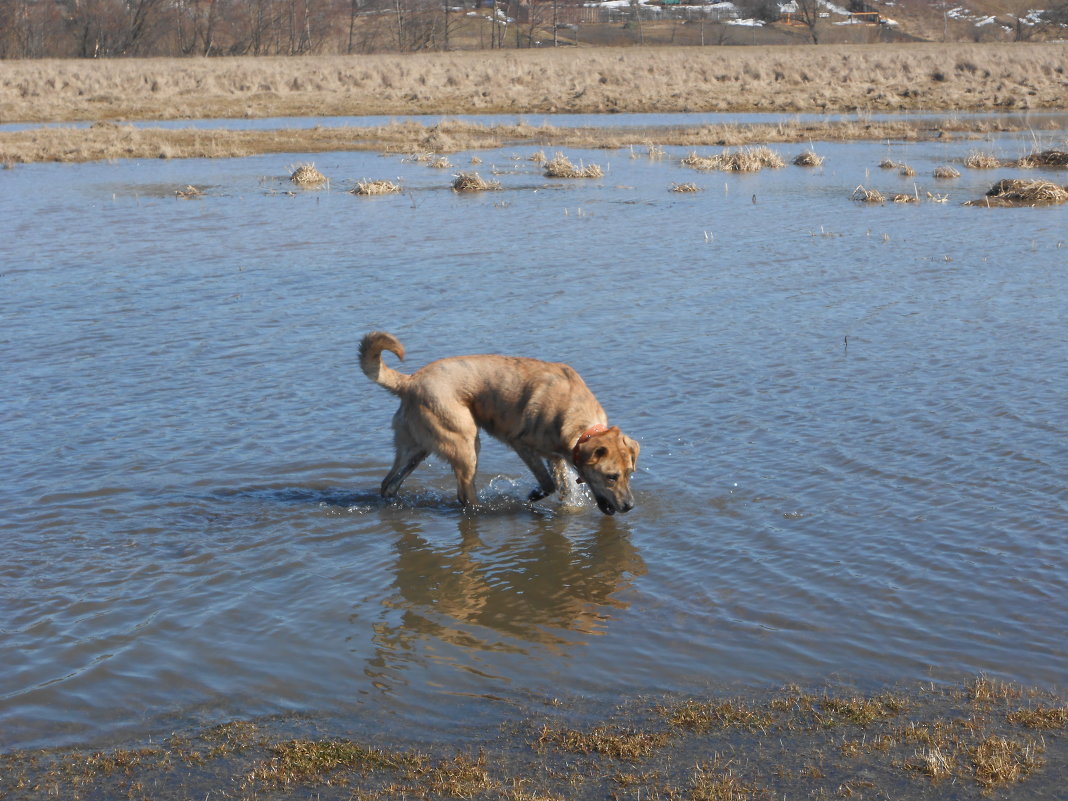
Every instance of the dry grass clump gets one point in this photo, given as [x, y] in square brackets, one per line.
[617, 743]
[903, 197]
[307, 175]
[376, 188]
[473, 182]
[538, 158]
[1021, 192]
[998, 760]
[653, 152]
[946, 172]
[311, 761]
[1046, 158]
[561, 167]
[981, 160]
[716, 782]
[188, 192]
[440, 163]
[744, 159]
[863, 194]
[459, 777]
[808, 159]
[907, 171]
[685, 188]
[985, 690]
[1041, 717]
[933, 762]
[700, 717]
[888, 164]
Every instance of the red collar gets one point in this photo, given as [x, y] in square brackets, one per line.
[588, 434]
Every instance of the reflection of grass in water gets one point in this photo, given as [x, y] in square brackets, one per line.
[794, 743]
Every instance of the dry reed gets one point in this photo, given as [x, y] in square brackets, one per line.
[744, 159]
[907, 171]
[761, 78]
[473, 182]
[808, 159]
[307, 175]
[685, 188]
[376, 188]
[1045, 158]
[1021, 192]
[561, 167]
[946, 172]
[864, 195]
[981, 160]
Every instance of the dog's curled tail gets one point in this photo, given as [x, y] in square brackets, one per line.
[371, 363]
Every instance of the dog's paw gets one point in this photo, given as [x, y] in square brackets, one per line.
[537, 495]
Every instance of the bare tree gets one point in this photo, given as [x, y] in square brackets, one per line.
[808, 14]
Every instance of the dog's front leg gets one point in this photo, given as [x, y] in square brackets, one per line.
[565, 482]
[546, 485]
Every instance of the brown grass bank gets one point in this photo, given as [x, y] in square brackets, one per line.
[783, 78]
[106, 140]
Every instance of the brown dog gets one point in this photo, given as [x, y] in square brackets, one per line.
[543, 410]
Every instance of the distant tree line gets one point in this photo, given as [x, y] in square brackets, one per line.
[115, 28]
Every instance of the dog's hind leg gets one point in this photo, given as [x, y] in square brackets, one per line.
[458, 445]
[408, 455]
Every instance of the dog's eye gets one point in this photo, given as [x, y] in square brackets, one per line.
[612, 478]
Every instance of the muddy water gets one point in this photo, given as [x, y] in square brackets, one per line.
[852, 423]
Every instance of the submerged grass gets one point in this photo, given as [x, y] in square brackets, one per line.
[978, 738]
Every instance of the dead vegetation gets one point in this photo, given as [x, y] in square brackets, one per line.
[744, 159]
[560, 166]
[687, 187]
[307, 175]
[411, 138]
[785, 79]
[1015, 192]
[1044, 158]
[808, 159]
[380, 187]
[863, 194]
[473, 182]
[981, 160]
[946, 172]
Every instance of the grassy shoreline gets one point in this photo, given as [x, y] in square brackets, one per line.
[825, 79]
[982, 739]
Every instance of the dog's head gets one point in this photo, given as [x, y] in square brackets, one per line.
[605, 461]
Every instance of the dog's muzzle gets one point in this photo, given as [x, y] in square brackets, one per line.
[609, 506]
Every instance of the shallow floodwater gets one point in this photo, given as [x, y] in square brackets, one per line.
[852, 421]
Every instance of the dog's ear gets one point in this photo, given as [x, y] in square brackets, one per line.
[592, 457]
[634, 449]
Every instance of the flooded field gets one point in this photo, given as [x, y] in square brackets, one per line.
[851, 418]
